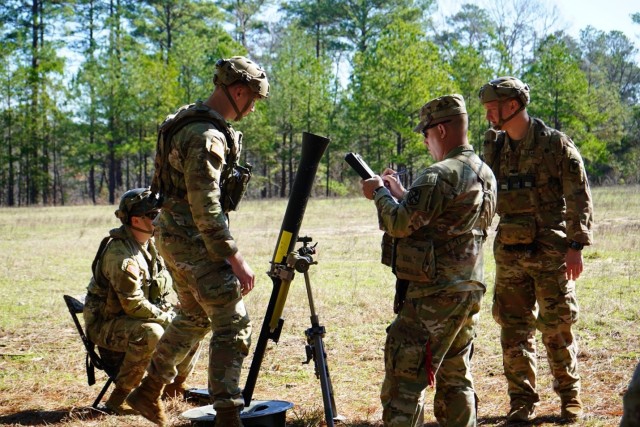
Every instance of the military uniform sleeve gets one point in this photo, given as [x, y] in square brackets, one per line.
[202, 170]
[124, 276]
[420, 204]
[577, 193]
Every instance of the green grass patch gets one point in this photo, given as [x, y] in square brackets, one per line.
[47, 252]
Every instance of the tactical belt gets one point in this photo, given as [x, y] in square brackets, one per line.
[529, 247]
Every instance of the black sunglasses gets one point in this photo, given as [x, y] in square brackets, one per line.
[152, 214]
[426, 128]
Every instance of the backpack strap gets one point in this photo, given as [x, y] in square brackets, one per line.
[487, 194]
[95, 265]
[492, 148]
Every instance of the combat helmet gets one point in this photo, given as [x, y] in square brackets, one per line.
[504, 88]
[137, 202]
[240, 69]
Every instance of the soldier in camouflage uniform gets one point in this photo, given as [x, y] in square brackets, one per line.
[128, 298]
[200, 181]
[631, 402]
[439, 225]
[546, 215]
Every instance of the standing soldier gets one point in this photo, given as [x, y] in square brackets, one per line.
[546, 215]
[199, 180]
[128, 298]
[440, 225]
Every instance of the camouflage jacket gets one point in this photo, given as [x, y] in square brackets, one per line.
[128, 280]
[440, 224]
[197, 157]
[542, 178]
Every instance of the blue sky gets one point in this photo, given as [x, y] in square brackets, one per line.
[605, 15]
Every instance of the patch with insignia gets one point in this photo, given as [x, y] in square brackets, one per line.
[430, 179]
[131, 267]
[413, 197]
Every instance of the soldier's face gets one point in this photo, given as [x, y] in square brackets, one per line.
[244, 98]
[492, 111]
[496, 112]
[433, 143]
[143, 223]
[251, 97]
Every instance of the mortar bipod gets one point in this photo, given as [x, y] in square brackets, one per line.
[300, 261]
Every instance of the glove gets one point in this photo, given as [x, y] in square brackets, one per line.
[166, 317]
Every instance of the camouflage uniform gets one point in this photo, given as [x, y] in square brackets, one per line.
[193, 237]
[126, 307]
[440, 226]
[631, 402]
[544, 202]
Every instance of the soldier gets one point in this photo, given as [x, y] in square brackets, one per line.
[128, 298]
[200, 181]
[546, 215]
[631, 402]
[439, 226]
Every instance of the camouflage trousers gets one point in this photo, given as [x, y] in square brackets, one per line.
[137, 339]
[210, 301]
[631, 402]
[440, 327]
[532, 292]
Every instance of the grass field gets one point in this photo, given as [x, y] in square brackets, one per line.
[47, 252]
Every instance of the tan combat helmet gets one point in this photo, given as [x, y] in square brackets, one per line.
[239, 69]
[504, 88]
[136, 202]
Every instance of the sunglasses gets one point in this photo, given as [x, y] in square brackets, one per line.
[426, 128]
[152, 214]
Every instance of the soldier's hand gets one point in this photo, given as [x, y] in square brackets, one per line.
[391, 181]
[166, 317]
[368, 185]
[243, 272]
[573, 259]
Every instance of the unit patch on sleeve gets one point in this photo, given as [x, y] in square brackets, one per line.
[129, 266]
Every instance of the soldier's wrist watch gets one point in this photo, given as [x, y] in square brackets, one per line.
[576, 245]
[376, 190]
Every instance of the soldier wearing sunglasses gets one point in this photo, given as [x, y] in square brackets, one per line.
[129, 298]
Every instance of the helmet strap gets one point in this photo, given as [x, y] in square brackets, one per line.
[149, 232]
[502, 121]
[140, 230]
[233, 103]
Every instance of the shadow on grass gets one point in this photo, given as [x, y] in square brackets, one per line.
[43, 418]
[482, 421]
[502, 421]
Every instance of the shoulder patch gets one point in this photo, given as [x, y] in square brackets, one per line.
[130, 267]
[413, 197]
[216, 144]
[431, 179]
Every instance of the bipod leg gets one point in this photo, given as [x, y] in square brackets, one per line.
[315, 350]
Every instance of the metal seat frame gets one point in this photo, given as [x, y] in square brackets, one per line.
[94, 359]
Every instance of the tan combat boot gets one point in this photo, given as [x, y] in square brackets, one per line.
[116, 402]
[571, 409]
[521, 412]
[146, 400]
[228, 417]
[176, 389]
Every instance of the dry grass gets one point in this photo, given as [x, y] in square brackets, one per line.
[46, 252]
